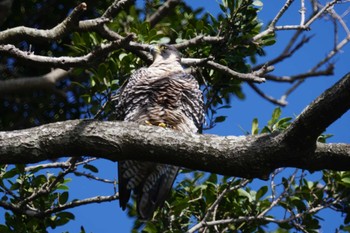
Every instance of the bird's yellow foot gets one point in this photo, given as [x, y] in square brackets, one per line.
[162, 124]
[148, 123]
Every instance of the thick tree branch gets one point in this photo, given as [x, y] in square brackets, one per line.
[28, 84]
[245, 156]
[326, 109]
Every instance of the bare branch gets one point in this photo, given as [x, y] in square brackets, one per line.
[228, 188]
[302, 12]
[92, 177]
[114, 9]
[97, 54]
[272, 27]
[70, 205]
[280, 102]
[328, 71]
[280, 13]
[199, 40]
[328, 6]
[27, 84]
[55, 209]
[335, 102]
[24, 33]
[228, 71]
[162, 11]
[288, 51]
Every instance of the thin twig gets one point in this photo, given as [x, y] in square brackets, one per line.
[328, 71]
[76, 203]
[90, 176]
[280, 102]
[216, 203]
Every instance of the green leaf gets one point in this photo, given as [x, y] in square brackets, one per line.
[244, 193]
[91, 168]
[10, 174]
[255, 127]
[323, 138]
[4, 229]
[82, 229]
[62, 187]
[275, 115]
[122, 55]
[150, 228]
[63, 198]
[220, 119]
[257, 3]
[346, 181]
[63, 218]
[261, 192]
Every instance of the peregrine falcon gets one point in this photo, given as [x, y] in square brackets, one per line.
[162, 94]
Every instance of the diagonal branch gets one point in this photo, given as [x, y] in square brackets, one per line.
[280, 102]
[322, 112]
[162, 12]
[114, 9]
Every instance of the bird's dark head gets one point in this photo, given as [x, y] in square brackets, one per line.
[165, 52]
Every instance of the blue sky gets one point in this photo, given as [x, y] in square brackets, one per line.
[109, 218]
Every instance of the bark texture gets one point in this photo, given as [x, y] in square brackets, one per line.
[244, 156]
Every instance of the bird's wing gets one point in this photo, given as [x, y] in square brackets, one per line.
[121, 99]
[192, 99]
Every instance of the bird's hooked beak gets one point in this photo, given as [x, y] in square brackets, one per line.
[155, 50]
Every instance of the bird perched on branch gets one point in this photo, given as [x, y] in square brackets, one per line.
[164, 95]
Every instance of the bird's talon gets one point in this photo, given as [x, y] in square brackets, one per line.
[162, 125]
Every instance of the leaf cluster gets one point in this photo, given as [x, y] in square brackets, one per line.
[33, 193]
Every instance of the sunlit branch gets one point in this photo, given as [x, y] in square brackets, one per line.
[94, 56]
[199, 40]
[302, 12]
[25, 33]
